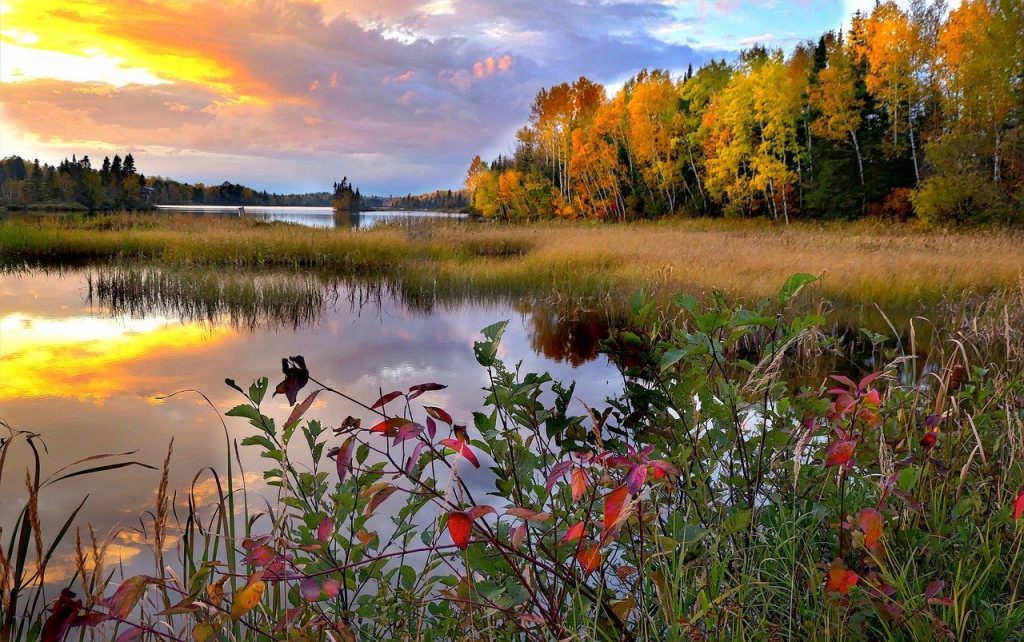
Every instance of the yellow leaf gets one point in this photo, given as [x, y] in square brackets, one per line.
[215, 591]
[246, 599]
[202, 632]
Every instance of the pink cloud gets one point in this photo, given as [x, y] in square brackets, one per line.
[334, 80]
[406, 98]
[315, 85]
[489, 66]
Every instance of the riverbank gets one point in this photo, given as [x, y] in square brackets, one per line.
[891, 264]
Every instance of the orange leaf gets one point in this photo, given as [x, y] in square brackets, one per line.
[840, 579]
[839, 453]
[578, 483]
[574, 533]
[613, 503]
[590, 558]
[528, 515]
[870, 522]
[379, 498]
[365, 537]
[459, 527]
[390, 427]
[479, 511]
[245, 599]
[518, 534]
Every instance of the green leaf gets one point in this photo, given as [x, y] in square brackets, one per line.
[258, 390]
[245, 410]
[487, 351]
[258, 440]
[735, 523]
[688, 303]
[793, 285]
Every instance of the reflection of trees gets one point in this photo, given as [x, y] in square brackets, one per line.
[573, 337]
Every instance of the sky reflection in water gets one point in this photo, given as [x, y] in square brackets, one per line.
[89, 381]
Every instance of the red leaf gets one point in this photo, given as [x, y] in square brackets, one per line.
[589, 558]
[636, 478]
[344, 458]
[839, 452]
[578, 483]
[613, 503]
[461, 448]
[840, 579]
[933, 589]
[663, 468]
[574, 533]
[383, 401]
[459, 526]
[128, 595]
[407, 432]
[296, 376]
[1018, 506]
[309, 589]
[415, 457]
[439, 413]
[332, 587]
[325, 529]
[261, 556]
[561, 469]
[846, 381]
[870, 522]
[390, 427]
[416, 391]
[866, 381]
[301, 409]
[431, 427]
[64, 610]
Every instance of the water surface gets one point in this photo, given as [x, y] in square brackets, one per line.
[323, 217]
[87, 373]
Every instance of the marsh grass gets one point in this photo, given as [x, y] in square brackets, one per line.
[890, 264]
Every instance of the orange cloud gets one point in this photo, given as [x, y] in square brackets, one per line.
[125, 41]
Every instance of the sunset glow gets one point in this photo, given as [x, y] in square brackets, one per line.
[91, 358]
[289, 95]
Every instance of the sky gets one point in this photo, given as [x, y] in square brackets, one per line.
[291, 95]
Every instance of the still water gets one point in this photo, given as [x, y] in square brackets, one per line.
[88, 374]
[324, 217]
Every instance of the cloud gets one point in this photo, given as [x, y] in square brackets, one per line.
[764, 38]
[264, 80]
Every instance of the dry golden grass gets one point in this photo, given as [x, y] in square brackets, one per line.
[865, 261]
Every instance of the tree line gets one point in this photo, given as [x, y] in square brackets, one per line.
[910, 112]
[118, 185]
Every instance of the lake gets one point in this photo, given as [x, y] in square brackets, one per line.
[324, 217]
[87, 371]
